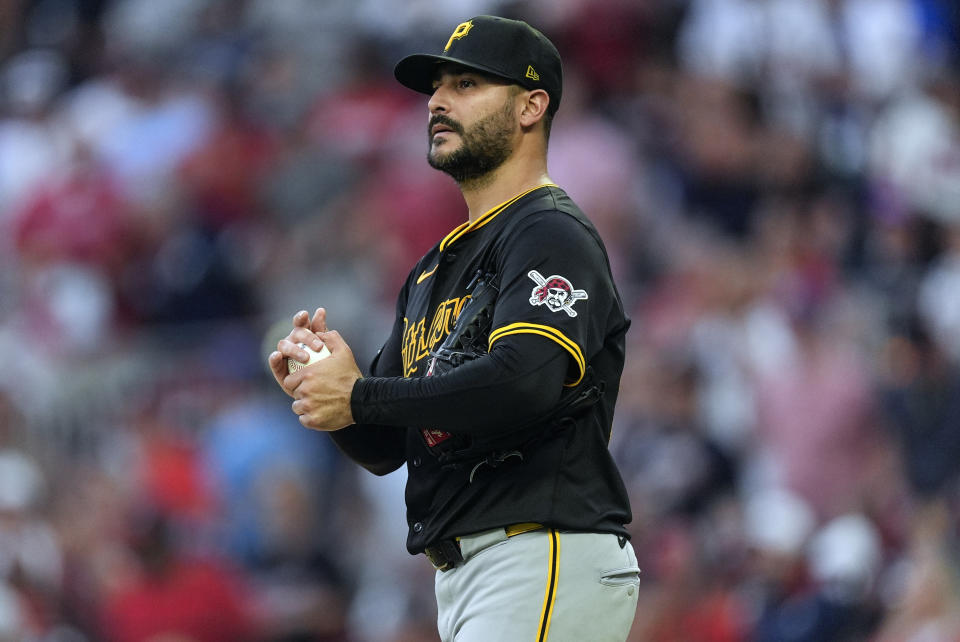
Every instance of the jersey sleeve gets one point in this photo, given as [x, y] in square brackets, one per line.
[516, 382]
[555, 282]
[380, 448]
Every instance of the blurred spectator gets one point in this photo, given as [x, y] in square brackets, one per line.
[816, 410]
[793, 46]
[690, 597]
[676, 470]
[936, 299]
[845, 557]
[300, 591]
[76, 216]
[924, 600]
[922, 403]
[914, 147]
[778, 525]
[174, 596]
[815, 421]
[221, 177]
[14, 623]
[597, 166]
[602, 40]
[837, 602]
[32, 147]
[715, 148]
[364, 118]
[167, 120]
[249, 442]
[394, 600]
[31, 562]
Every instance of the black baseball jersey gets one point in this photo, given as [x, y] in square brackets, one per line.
[557, 304]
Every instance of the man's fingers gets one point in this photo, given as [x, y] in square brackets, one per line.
[298, 407]
[292, 350]
[291, 382]
[319, 322]
[301, 319]
[334, 341]
[278, 366]
[290, 346]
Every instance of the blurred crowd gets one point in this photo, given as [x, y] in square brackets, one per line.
[778, 184]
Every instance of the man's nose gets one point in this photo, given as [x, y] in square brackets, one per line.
[438, 103]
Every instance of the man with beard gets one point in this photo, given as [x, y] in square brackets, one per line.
[497, 385]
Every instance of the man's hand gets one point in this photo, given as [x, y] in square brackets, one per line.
[306, 331]
[322, 391]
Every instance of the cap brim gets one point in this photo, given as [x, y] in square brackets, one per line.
[418, 70]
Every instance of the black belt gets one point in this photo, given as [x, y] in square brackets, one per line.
[446, 554]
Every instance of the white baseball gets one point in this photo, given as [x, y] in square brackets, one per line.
[293, 365]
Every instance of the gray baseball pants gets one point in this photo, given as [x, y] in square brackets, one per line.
[539, 586]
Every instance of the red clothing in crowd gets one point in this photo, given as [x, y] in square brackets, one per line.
[195, 600]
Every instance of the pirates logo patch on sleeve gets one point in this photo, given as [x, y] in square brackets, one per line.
[555, 292]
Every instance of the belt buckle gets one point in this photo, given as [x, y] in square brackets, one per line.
[445, 555]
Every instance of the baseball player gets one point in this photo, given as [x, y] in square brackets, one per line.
[497, 385]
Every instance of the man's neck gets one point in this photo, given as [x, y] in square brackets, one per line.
[515, 176]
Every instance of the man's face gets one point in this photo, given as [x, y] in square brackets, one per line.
[472, 124]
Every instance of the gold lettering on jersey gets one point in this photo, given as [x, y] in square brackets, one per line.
[409, 346]
[419, 339]
[462, 29]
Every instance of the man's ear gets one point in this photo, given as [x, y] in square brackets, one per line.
[535, 104]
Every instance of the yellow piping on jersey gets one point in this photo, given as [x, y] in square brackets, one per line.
[544, 331]
[470, 226]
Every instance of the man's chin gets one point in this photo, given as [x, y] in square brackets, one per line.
[441, 160]
[441, 152]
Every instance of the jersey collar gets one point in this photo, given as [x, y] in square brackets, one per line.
[470, 226]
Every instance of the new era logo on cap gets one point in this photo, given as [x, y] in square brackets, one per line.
[510, 49]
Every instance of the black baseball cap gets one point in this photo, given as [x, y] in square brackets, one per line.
[510, 49]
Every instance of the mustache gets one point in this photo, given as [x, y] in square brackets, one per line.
[440, 119]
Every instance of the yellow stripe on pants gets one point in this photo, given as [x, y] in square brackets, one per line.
[550, 597]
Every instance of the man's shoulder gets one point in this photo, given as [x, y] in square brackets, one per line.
[551, 214]
[547, 198]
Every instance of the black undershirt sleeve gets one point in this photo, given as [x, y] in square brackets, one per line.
[379, 449]
[519, 380]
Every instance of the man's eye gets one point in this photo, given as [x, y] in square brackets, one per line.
[466, 82]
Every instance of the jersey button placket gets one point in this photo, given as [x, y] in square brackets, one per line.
[416, 461]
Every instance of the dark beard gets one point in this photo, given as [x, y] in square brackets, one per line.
[482, 149]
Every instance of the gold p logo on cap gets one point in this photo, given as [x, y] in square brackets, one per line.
[462, 29]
